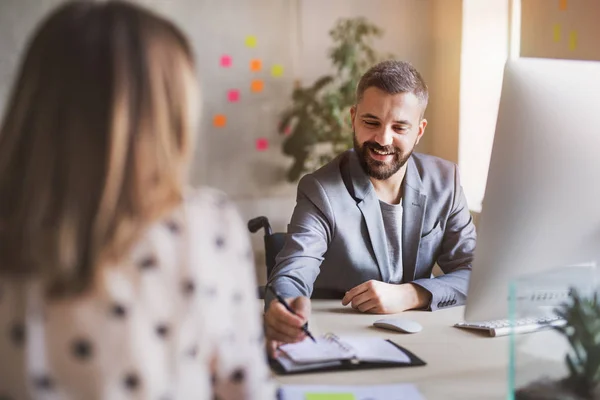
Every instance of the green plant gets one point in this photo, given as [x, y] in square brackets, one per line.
[583, 333]
[318, 121]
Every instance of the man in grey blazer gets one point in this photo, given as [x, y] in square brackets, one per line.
[369, 226]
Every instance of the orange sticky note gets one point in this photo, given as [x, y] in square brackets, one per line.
[573, 40]
[257, 85]
[557, 32]
[562, 5]
[219, 120]
[255, 65]
[277, 70]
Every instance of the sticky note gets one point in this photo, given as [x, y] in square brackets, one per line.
[262, 144]
[225, 61]
[573, 40]
[257, 85]
[557, 32]
[219, 120]
[562, 5]
[255, 65]
[233, 95]
[287, 130]
[329, 396]
[251, 41]
[277, 70]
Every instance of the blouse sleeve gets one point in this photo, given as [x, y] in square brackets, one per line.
[231, 314]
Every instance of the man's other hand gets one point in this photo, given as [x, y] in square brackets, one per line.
[385, 298]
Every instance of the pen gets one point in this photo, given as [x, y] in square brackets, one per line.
[287, 307]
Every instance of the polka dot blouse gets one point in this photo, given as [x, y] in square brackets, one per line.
[177, 319]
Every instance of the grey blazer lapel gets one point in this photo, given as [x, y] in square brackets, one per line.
[414, 205]
[368, 203]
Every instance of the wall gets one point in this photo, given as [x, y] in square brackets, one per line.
[444, 82]
[485, 39]
[292, 33]
[560, 29]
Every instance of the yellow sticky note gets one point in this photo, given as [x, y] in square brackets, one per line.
[562, 5]
[219, 120]
[257, 85]
[277, 70]
[573, 40]
[255, 65]
[251, 41]
[557, 32]
[329, 396]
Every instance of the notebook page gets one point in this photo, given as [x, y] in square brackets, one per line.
[374, 349]
[308, 351]
[290, 366]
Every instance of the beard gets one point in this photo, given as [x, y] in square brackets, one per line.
[380, 170]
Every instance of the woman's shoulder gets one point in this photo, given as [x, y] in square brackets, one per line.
[205, 196]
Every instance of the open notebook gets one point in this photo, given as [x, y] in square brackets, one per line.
[334, 353]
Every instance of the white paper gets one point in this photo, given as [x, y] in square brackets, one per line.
[375, 350]
[367, 349]
[308, 351]
[289, 365]
[402, 391]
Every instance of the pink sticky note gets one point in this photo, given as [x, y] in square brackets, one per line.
[262, 144]
[225, 61]
[287, 130]
[233, 95]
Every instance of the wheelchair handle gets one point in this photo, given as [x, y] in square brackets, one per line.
[260, 222]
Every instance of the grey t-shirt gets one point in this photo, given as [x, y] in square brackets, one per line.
[392, 223]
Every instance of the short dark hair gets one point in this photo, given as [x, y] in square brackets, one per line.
[394, 77]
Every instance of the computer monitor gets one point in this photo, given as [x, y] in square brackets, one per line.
[541, 208]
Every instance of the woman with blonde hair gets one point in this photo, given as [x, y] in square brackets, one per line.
[115, 282]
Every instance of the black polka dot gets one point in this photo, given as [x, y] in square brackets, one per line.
[17, 334]
[188, 287]
[43, 382]
[213, 379]
[118, 311]
[192, 351]
[82, 349]
[173, 227]
[210, 291]
[148, 263]
[220, 242]
[131, 381]
[162, 331]
[230, 337]
[238, 376]
[238, 297]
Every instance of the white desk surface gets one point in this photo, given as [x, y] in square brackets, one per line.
[460, 364]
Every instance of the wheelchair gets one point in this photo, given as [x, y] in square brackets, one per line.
[273, 245]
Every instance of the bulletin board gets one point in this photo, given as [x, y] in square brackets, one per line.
[244, 51]
[565, 29]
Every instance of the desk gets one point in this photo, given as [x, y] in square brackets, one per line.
[460, 364]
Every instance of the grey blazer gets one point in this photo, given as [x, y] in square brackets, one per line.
[336, 238]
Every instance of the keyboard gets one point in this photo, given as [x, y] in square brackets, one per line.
[502, 327]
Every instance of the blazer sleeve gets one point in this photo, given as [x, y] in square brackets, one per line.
[309, 234]
[456, 257]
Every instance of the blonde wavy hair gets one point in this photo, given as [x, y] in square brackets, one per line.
[95, 141]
